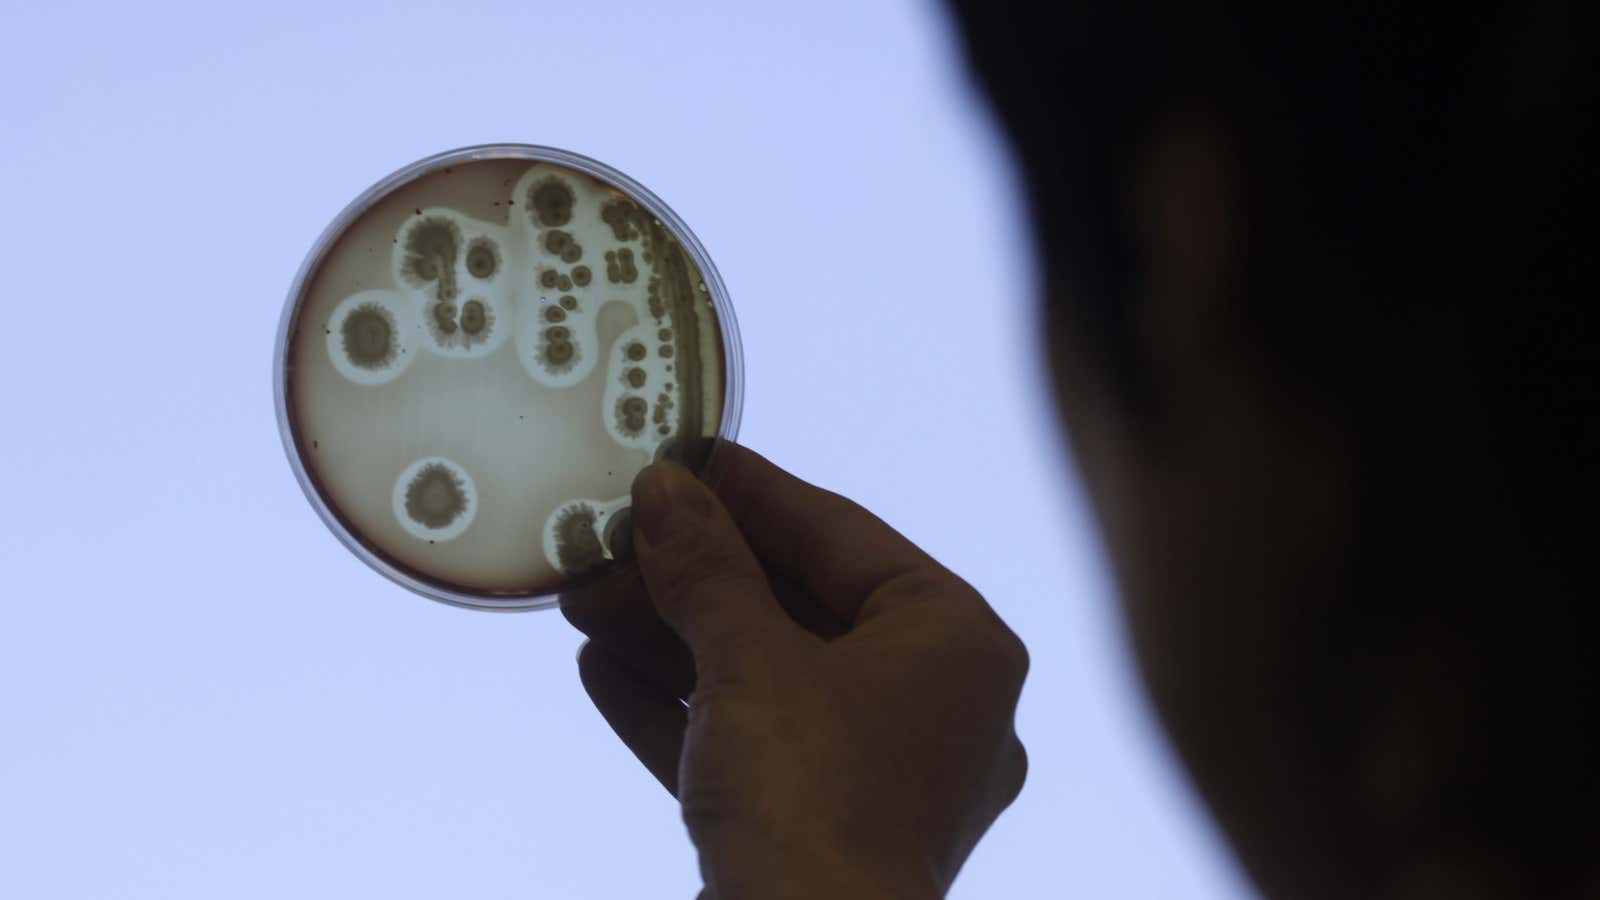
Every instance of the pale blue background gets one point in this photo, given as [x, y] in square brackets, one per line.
[203, 695]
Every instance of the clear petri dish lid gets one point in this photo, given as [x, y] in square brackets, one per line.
[481, 352]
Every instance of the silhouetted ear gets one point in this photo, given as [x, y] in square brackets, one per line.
[1188, 208]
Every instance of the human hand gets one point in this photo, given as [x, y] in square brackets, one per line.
[849, 721]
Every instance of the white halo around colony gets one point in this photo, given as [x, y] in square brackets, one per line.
[463, 303]
[435, 499]
[373, 336]
[465, 288]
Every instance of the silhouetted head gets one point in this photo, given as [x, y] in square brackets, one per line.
[1322, 330]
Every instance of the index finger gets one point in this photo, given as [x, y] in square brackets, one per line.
[832, 546]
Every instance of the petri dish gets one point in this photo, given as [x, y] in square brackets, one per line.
[481, 352]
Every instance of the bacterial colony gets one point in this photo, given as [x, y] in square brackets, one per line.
[483, 361]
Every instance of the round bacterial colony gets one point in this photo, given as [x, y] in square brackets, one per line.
[476, 366]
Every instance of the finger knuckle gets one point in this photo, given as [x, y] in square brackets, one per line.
[1015, 772]
[1011, 654]
[963, 629]
[989, 646]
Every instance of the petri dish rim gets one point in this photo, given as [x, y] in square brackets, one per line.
[727, 326]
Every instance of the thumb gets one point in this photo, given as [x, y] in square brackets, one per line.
[700, 573]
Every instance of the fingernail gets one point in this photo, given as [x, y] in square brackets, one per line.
[667, 500]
